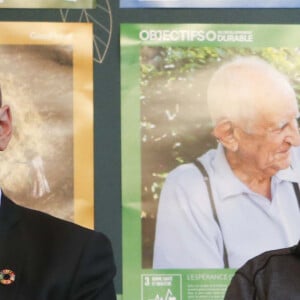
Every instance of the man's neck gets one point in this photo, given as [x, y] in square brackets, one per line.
[256, 180]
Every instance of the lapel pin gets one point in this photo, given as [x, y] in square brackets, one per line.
[7, 276]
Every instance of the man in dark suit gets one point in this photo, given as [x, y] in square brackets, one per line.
[273, 275]
[45, 258]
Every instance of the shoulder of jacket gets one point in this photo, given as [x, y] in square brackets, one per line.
[253, 266]
[44, 221]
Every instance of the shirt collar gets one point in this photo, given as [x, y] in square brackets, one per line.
[229, 185]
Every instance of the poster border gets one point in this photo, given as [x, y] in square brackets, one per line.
[207, 4]
[132, 38]
[75, 35]
[40, 4]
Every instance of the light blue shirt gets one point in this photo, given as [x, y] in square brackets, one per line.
[187, 235]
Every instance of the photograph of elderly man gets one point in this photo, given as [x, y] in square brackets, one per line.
[242, 198]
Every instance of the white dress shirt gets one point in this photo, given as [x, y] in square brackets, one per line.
[187, 235]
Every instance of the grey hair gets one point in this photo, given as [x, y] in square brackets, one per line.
[237, 88]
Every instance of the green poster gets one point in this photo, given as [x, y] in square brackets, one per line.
[165, 71]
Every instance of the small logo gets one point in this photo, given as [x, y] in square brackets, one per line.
[161, 287]
[7, 276]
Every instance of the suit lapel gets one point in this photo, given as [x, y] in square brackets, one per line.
[11, 252]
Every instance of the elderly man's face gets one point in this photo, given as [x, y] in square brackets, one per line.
[267, 147]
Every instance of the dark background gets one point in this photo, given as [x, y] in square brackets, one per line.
[107, 93]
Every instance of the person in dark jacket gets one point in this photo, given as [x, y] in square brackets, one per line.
[273, 275]
[45, 258]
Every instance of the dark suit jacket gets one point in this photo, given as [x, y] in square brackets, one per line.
[273, 275]
[51, 258]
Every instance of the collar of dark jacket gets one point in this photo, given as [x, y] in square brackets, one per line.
[9, 214]
[296, 249]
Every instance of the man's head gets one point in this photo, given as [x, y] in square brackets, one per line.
[5, 124]
[254, 109]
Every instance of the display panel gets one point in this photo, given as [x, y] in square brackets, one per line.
[165, 70]
[46, 78]
[48, 4]
[208, 3]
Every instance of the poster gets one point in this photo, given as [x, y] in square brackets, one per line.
[46, 78]
[165, 70]
[208, 3]
[48, 4]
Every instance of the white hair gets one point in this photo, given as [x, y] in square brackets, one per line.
[241, 88]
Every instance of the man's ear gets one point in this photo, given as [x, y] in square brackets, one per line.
[224, 133]
[5, 126]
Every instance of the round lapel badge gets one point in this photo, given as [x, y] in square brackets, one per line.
[7, 276]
